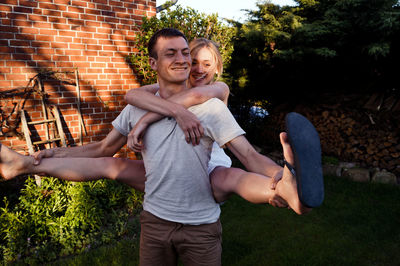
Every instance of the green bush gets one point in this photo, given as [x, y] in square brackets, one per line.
[61, 218]
[192, 23]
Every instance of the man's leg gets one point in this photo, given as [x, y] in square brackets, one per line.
[156, 247]
[130, 172]
[200, 244]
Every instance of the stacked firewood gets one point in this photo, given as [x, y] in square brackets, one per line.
[355, 135]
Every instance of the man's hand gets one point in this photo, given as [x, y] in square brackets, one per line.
[39, 155]
[190, 125]
[135, 137]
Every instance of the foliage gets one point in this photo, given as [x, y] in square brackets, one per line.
[61, 218]
[316, 47]
[192, 23]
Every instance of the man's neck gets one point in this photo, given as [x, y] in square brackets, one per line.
[169, 89]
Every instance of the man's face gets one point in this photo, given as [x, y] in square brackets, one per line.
[173, 62]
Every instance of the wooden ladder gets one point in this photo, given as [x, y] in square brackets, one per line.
[55, 136]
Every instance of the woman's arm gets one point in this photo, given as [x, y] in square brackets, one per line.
[144, 98]
[175, 106]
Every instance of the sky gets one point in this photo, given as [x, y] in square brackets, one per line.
[225, 8]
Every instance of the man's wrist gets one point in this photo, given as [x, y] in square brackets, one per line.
[177, 110]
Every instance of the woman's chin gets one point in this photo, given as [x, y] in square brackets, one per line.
[197, 83]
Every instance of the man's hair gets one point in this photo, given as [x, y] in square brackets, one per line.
[164, 33]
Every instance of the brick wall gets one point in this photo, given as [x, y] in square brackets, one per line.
[93, 36]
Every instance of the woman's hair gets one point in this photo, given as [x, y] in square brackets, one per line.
[199, 43]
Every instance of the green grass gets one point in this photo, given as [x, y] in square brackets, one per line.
[358, 224]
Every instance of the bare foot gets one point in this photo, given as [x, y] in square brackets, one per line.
[287, 187]
[12, 163]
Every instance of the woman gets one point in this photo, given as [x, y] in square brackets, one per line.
[207, 63]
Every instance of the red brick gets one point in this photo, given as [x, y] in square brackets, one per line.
[119, 10]
[21, 57]
[78, 58]
[130, 5]
[59, 45]
[104, 53]
[73, 52]
[29, 30]
[91, 53]
[49, 6]
[19, 43]
[8, 29]
[93, 11]
[93, 47]
[53, 13]
[77, 40]
[37, 18]
[28, 3]
[67, 33]
[62, 2]
[20, 9]
[75, 21]
[6, 8]
[85, 35]
[57, 20]
[60, 58]
[64, 64]
[5, 70]
[75, 9]
[45, 38]
[89, 29]
[48, 32]
[111, 20]
[60, 26]
[63, 39]
[87, 17]
[79, 3]
[40, 44]
[43, 25]
[92, 24]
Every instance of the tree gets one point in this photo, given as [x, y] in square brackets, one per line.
[299, 53]
[193, 24]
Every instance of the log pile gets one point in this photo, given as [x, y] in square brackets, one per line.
[352, 134]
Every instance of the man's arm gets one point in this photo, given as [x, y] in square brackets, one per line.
[112, 143]
[252, 160]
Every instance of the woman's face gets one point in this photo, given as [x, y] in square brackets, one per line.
[203, 68]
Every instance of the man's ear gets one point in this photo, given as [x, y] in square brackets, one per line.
[153, 63]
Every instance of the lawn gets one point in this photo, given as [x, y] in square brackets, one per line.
[358, 224]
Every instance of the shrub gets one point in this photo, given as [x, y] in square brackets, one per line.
[61, 218]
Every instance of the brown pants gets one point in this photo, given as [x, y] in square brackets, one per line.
[161, 242]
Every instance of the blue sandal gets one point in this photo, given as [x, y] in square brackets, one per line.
[306, 147]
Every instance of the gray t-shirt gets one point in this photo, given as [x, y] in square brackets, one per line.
[177, 186]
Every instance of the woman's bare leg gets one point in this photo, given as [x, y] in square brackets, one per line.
[256, 188]
[252, 187]
[130, 172]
